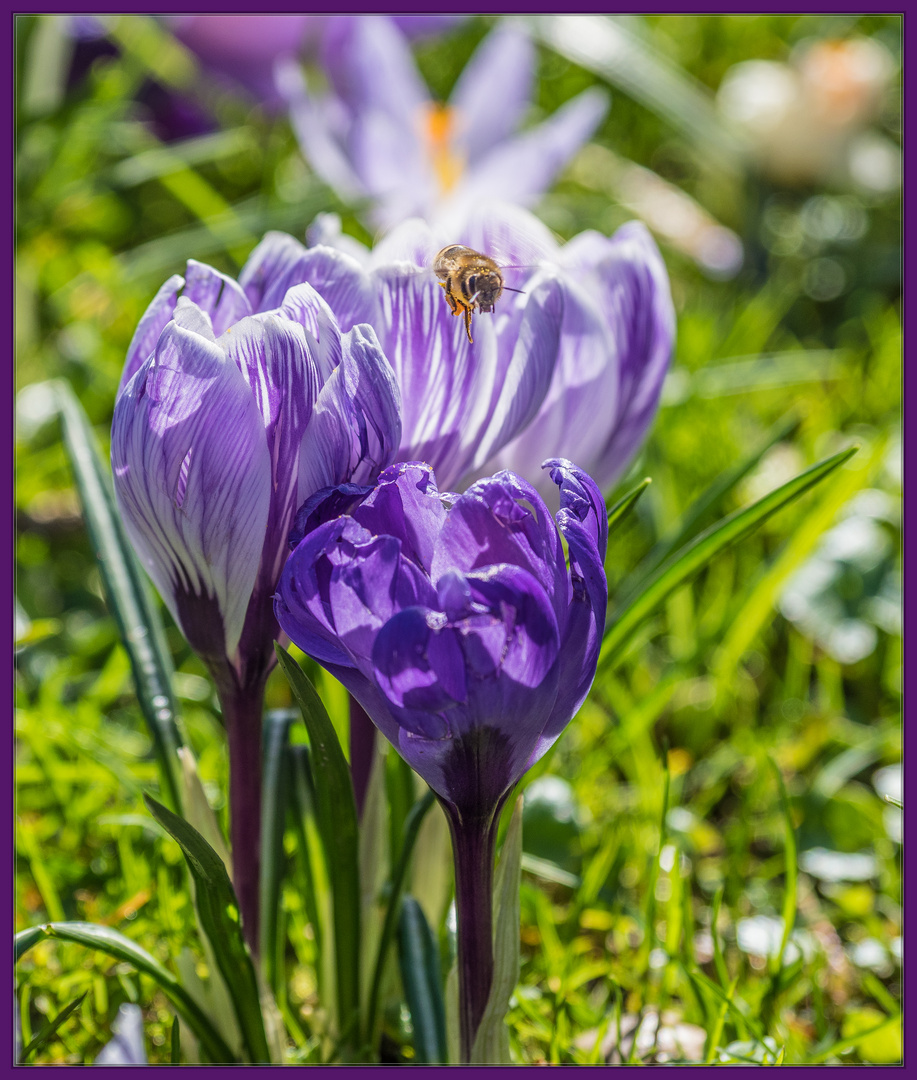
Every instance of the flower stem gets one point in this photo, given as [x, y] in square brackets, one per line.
[473, 844]
[362, 748]
[243, 707]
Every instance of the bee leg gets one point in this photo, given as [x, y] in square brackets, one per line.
[453, 305]
[468, 324]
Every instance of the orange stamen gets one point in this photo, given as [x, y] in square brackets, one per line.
[447, 165]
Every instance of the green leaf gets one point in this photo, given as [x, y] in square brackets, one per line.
[491, 1043]
[422, 978]
[273, 817]
[790, 894]
[25, 939]
[175, 1043]
[116, 945]
[625, 505]
[704, 506]
[336, 812]
[692, 558]
[126, 589]
[218, 910]
[48, 1030]
[316, 891]
[758, 605]
[411, 829]
[197, 809]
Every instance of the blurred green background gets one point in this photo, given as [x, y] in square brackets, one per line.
[132, 158]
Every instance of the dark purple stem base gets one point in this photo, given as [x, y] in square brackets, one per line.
[242, 713]
[473, 844]
[362, 749]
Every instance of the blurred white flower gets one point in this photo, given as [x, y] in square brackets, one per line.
[808, 121]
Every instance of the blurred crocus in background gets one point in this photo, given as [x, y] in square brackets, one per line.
[573, 365]
[810, 121]
[235, 55]
[246, 48]
[377, 135]
[236, 404]
[458, 625]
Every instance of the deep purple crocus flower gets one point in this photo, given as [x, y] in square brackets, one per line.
[376, 134]
[457, 624]
[571, 366]
[236, 404]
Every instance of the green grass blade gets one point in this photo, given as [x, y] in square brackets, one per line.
[742, 1018]
[703, 507]
[175, 1043]
[273, 818]
[422, 978]
[25, 939]
[716, 1033]
[337, 818]
[218, 910]
[625, 505]
[719, 961]
[790, 894]
[757, 607]
[609, 48]
[688, 561]
[836, 1049]
[314, 868]
[116, 945]
[47, 1031]
[409, 837]
[128, 593]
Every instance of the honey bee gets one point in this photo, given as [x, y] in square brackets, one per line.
[471, 281]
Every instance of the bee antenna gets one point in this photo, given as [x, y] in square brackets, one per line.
[506, 288]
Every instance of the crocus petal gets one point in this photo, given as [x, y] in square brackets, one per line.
[192, 478]
[356, 425]
[406, 503]
[320, 127]
[461, 402]
[244, 47]
[503, 520]
[634, 290]
[582, 402]
[417, 26]
[384, 107]
[339, 586]
[522, 168]
[485, 116]
[370, 66]
[325, 231]
[274, 357]
[583, 521]
[216, 294]
[341, 282]
[276, 256]
[280, 263]
[303, 305]
[151, 325]
[490, 671]
[523, 375]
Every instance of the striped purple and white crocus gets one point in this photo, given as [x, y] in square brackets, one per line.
[237, 403]
[572, 366]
